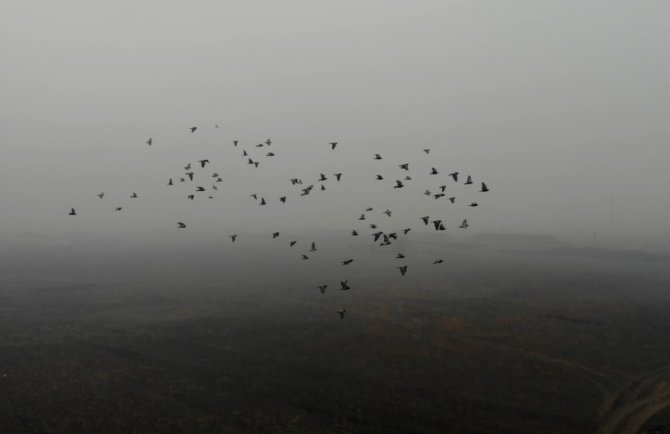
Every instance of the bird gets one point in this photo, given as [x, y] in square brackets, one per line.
[190, 175]
[427, 193]
[260, 145]
[473, 204]
[323, 177]
[338, 176]
[427, 151]
[484, 188]
[101, 195]
[425, 219]
[377, 157]
[200, 189]
[469, 180]
[379, 177]
[322, 288]
[439, 195]
[150, 141]
[369, 209]
[255, 196]
[388, 212]
[170, 182]
[433, 171]
[268, 142]
[373, 226]
[244, 153]
[405, 231]
[191, 196]
[187, 167]
[354, 233]
[134, 195]
[270, 154]
[118, 208]
[342, 312]
[263, 201]
[345, 285]
[377, 235]
[464, 225]
[305, 257]
[442, 187]
[72, 212]
[399, 256]
[347, 261]
[438, 261]
[403, 269]
[408, 178]
[235, 142]
[437, 224]
[404, 166]
[292, 243]
[193, 129]
[313, 248]
[233, 237]
[275, 235]
[452, 199]
[454, 175]
[362, 217]
[181, 225]
[182, 180]
[332, 145]
[398, 184]
[203, 162]
[214, 187]
[215, 175]
[323, 187]
[283, 199]
[216, 125]
[219, 180]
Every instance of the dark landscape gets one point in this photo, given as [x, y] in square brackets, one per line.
[505, 340]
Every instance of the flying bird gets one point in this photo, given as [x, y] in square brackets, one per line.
[354, 233]
[118, 208]
[464, 225]
[473, 204]
[347, 261]
[101, 195]
[342, 312]
[181, 225]
[263, 201]
[283, 199]
[203, 162]
[484, 188]
[313, 248]
[425, 219]
[377, 157]
[190, 175]
[305, 257]
[200, 189]
[193, 129]
[191, 196]
[399, 256]
[433, 171]
[322, 288]
[427, 151]
[398, 184]
[437, 224]
[438, 261]
[405, 231]
[235, 142]
[454, 175]
[469, 180]
[292, 243]
[403, 269]
[275, 235]
[170, 182]
[134, 195]
[233, 237]
[150, 141]
[72, 212]
[338, 176]
[332, 145]
[404, 166]
[323, 177]
[345, 285]
[379, 177]
[388, 212]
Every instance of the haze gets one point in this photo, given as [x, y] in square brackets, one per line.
[560, 106]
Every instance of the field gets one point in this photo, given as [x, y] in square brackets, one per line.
[198, 340]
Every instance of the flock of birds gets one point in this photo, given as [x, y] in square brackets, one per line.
[193, 171]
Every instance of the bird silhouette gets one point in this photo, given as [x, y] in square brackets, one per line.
[399, 256]
[283, 199]
[341, 312]
[235, 142]
[322, 288]
[101, 195]
[292, 243]
[181, 225]
[332, 145]
[469, 180]
[388, 212]
[433, 171]
[190, 175]
[191, 196]
[464, 224]
[438, 261]
[454, 175]
[305, 257]
[379, 177]
[233, 237]
[473, 204]
[484, 188]
[404, 166]
[275, 235]
[118, 208]
[403, 269]
[262, 201]
[347, 261]
[313, 248]
[425, 220]
[344, 285]
[437, 224]
[427, 151]
[193, 129]
[338, 176]
[200, 189]
[354, 233]
[362, 217]
[398, 184]
[323, 177]
[405, 231]
[170, 182]
[72, 212]
[377, 157]
[452, 199]
[133, 196]
[150, 141]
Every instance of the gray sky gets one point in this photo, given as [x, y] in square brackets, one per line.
[560, 106]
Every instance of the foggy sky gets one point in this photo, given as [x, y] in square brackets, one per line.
[560, 106]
